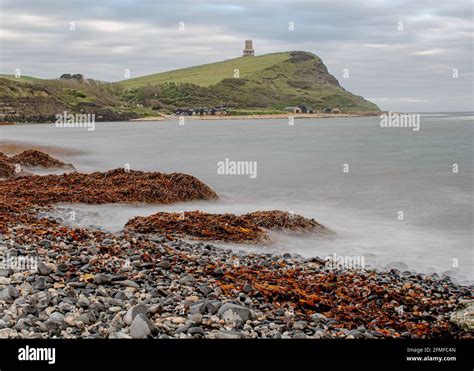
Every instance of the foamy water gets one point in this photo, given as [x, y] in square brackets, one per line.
[300, 169]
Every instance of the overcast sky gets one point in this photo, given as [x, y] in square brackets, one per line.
[401, 70]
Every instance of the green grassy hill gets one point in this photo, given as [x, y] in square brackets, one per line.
[22, 78]
[271, 81]
[209, 74]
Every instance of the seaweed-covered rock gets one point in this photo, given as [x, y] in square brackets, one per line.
[33, 158]
[199, 225]
[279, 220]
[248, 228]
[107, 187]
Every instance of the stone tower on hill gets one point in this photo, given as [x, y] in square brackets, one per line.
[248, 51]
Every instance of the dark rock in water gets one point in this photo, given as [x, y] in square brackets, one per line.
[142, 327]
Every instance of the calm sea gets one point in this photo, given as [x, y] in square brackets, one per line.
[405, 199]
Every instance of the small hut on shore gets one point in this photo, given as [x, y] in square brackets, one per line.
[293, 109]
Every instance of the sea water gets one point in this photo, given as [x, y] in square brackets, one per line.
[395, 196]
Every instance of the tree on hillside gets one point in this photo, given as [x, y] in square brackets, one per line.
[76, 76]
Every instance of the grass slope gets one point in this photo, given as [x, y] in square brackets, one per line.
[209, 74]
[21, 78]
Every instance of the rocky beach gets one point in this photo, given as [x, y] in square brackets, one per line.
[162, 276]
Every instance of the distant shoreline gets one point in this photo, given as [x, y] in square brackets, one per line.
[262, 117]
[231, 117]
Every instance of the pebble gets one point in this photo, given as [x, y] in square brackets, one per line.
[103, 279]
[133, 312]
[141, 327]
[179, 294]
[164, 264]
[232, 312]
[300, 325]
[196, 331]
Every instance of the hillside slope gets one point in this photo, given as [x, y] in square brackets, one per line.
[29, 99]
[271, 81]
[209, 74]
